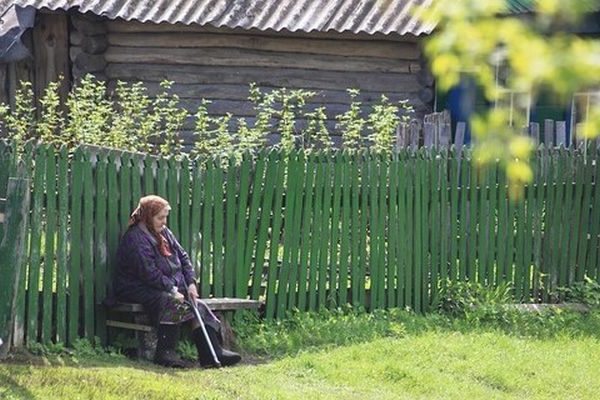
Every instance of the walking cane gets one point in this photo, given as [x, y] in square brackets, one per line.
[192, 304]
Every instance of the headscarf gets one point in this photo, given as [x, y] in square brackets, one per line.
[148, 207]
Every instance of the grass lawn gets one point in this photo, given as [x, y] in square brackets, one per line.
[432, 364]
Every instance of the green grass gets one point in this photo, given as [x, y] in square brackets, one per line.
[349, 355]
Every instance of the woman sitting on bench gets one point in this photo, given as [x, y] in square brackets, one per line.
[154, 270]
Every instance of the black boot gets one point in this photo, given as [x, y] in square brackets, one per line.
[165, 347]
[205, 357]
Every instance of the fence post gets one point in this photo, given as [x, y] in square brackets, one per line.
[12, 252]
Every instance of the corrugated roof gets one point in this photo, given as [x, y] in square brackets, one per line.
[520, 6]
[369, 16]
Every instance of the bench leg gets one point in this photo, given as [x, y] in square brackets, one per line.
[227, 335]
[146, 341]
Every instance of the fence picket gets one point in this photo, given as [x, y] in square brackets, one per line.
[325, 231]
[195, 248]
[20, 321]
[242, 270]
[207, 230]
[172, 173]
[472, 215]
[463, 216]
[503, 230]
[364, 220]
[393, 248]
[162, 170]
[75, 264]
[519, 260]
[255, 241]
[112, 214]
[582, 226]
[35, 245]
[435, 224]
[306, 234]
[335, 231]
[87, 246]
[410, 237]
[354, 244]
[316, 230]
[271, 164]
[185, 202]
[272, 272]
[294, 253]
[592, 264]
[425, 268]
[491, 264]
[382, 263]
[288, 228]
[100, 245]
[403, 232]
[149, 175]
[219, 211]
[49, 241]
[125, 198]
[538, 217]
[483, 238]
[230, 247]
[574, 193]
[137, 175]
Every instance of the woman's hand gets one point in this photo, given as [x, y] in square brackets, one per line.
[179, 297]
[193, 292]
[176, 295]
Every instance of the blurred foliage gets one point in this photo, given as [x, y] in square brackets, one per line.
[473, 39]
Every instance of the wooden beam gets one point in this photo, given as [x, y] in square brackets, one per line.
[229, 304]
[128, 325]
[51, 53]
[293, 77]
[94, 44]
[349, 48]
[235, 57]
[241, 91]
[89, 24]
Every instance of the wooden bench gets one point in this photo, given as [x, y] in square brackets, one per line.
[120, 316]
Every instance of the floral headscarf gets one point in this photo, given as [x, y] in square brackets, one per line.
[148, 207]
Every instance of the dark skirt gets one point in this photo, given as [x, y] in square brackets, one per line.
[163, 308]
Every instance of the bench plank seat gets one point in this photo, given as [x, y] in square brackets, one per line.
[214, 303]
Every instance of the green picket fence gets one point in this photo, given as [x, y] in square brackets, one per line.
[305, 231]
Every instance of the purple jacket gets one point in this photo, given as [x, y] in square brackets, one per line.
[142, 270]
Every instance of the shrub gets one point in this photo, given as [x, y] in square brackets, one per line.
[586, 292]
[459, 298]
[125, 117]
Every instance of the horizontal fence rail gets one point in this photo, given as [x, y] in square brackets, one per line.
[303, 230]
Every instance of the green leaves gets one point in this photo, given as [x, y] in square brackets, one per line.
[483, 41]
[123, 116]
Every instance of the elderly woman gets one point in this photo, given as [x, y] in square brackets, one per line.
[154, 270]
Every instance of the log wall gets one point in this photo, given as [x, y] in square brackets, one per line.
[219, 64]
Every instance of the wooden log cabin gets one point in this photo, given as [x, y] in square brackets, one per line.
[213, 49]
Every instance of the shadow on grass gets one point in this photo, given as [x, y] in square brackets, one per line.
[9, 388]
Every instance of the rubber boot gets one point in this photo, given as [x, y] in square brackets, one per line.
[226, 357]
[165, 347]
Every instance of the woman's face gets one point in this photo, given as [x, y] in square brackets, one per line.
[159, 221]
